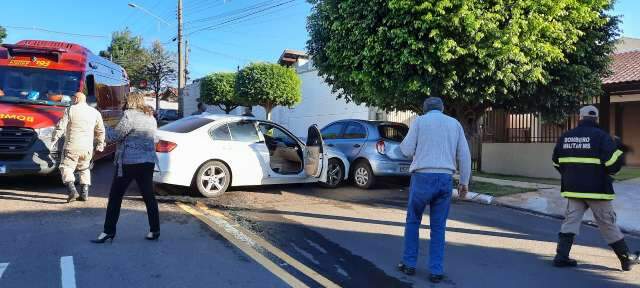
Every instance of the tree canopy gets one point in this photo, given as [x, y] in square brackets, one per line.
[542, 56]
[220, 89]
[3, 33]
[127, 51]
[160, 69]
[268, 85]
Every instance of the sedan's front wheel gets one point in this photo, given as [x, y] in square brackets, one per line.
[212, 179]
[335, 174]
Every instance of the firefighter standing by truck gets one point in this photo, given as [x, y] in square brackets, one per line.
[587, 157]
[81, 126]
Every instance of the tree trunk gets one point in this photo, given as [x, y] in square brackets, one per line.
[268, 108]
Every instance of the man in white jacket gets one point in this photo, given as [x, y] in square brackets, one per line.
[81, 127]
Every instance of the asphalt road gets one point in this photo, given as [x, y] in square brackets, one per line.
[348, 237]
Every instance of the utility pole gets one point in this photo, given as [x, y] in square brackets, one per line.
[181, 76]
[187, 51]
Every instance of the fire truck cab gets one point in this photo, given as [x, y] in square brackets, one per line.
[37, 81]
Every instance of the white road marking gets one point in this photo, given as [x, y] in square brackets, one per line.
[3, 266]
[68, 272]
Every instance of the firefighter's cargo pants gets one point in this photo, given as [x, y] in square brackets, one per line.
[73, 161]
[603, 213]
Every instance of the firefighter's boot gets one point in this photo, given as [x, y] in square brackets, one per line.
[84, 192]
[565, 241]
[627, 259]
[72, 192]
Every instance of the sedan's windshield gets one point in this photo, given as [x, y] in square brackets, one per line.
[38, 86]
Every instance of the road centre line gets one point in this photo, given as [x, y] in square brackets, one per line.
[68, 272]
[233, 236]
[3, 266]
[274, 250]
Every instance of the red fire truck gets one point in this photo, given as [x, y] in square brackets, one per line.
[37, 80]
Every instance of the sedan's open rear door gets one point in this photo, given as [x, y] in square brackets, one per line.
[314, 160]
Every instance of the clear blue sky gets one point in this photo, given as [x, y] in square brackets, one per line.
[260, 37]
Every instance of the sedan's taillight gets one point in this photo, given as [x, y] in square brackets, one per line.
[165, 146]
[380, 146]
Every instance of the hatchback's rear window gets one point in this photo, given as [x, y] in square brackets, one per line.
[186, 125]
[393, 132]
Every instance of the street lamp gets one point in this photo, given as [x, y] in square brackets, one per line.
[135, 6]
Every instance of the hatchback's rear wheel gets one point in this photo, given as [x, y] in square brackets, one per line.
[363, 176]
[212, 179]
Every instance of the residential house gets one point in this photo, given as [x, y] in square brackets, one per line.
[521, 144]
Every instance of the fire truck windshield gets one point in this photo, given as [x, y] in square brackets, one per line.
[38, 86]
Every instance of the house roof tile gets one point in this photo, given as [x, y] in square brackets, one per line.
[625, 68]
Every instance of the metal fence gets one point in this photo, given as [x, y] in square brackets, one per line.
[503, 127]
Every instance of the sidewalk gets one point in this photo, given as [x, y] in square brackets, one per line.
[547, 200]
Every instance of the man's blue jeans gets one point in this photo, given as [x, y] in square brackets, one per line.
[433, 189]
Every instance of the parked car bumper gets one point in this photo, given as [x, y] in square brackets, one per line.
[390, 168]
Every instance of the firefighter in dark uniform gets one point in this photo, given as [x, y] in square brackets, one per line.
[586, 157]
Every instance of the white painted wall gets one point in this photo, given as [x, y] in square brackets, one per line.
[520, 159]
[318, 106]
[192, 93]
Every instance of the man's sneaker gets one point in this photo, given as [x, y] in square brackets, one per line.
[406, 269]
[436, 278]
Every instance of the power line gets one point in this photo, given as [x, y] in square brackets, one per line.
[56, 32]
[240, 17]
[253, 18]
[231, 13]
[221, 54]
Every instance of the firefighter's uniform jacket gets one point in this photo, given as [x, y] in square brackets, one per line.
[82, 126]
[587, 156]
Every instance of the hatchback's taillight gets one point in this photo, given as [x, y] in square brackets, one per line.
[380, 146]
[165, 146]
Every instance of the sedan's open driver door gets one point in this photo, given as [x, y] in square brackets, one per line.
[314, 160]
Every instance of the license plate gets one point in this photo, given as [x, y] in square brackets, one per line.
[404, 169]
[3, 169]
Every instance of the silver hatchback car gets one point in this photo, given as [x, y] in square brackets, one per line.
[370, 148]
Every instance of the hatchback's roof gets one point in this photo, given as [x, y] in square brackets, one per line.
[372, 122]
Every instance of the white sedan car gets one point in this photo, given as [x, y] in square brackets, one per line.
[213, 152]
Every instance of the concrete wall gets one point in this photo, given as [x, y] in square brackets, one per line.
[190, 102]
[631, 131]
[318, 106]
[521, 159]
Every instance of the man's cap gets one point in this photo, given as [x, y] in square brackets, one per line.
[433, 103]
[589, 111]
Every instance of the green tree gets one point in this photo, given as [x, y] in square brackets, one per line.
[220, 89]
[127, 51]
[542, 56]
[3, 33]
[160, 69]
[268, 85]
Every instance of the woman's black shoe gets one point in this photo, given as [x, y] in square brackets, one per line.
[104, 237]
[406, 269]
[435, 278]
[152, 236]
